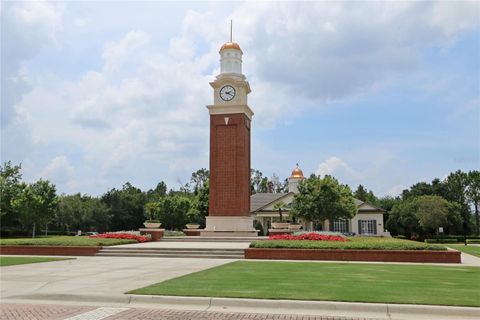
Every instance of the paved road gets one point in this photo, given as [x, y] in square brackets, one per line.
[57, 312]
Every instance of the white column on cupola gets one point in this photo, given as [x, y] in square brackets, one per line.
[231, 56]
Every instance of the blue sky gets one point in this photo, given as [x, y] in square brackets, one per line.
[95, 94]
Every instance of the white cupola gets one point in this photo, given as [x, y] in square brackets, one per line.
[295, 178]
[231, 58]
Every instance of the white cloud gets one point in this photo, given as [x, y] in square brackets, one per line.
[26, 28]
[116, 53]
[396, 190]
[334, 165]
[140, 114]
[80, 23]
[330, 50]
[153, 114]
[58, 170]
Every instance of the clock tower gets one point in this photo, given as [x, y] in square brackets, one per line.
[230, 123]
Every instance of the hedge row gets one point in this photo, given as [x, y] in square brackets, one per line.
[439, 240]
[459, 238]
[64, 241]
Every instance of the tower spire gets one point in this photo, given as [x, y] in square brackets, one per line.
[231, 30]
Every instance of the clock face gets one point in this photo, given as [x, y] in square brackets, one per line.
[227, 93]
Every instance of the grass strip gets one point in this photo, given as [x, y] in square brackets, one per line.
[64, 241]
[380, 283]
[12, 261]
[357, 243]
[473, 250]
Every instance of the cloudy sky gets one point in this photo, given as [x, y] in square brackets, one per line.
[95, 94]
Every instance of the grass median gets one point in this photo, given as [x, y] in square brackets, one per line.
[352, 282]
[64, 241]
[473, 250]
[12, 261]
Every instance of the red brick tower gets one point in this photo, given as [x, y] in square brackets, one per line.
[230, 119]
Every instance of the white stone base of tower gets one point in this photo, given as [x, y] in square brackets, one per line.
[229, 226]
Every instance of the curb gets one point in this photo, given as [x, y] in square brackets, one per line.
[330, 308]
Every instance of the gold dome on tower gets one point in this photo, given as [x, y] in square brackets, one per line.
[230, 45]
[297, 173]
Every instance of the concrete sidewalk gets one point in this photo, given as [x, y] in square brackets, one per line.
[287, 308]
[96, 275]
[103, 281]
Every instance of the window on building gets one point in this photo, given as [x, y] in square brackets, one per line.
[367, 226]
[340, 226]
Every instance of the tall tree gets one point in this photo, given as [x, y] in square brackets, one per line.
[473, 195]
[433, 212]
[157, 193]
[199, 206]
[456, 185]
[11, 187]
[277, 186]
[421, 216]
[387, 203]
[280, 206]
[199, 178]
[319, 199]
[173, 211]
[36, 204]
[152, 211]
[361, 193]
[256, 178]
[418, 189]
[403, 220]
[125, 207]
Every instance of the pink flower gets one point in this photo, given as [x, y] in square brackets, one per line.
[307, 236]
[121, 236]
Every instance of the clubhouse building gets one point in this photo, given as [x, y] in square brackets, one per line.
[263, 208]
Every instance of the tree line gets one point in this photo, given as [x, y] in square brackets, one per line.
[451, 203]
[31, 207]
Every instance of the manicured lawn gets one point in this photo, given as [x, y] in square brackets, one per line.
[65, 241]
[359, 243]
[387, 283]
[473, 250]
[11, 261]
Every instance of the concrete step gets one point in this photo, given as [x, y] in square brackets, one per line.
[176, 252]
[155, 255]
[206, 253]
[211, 239]
[172, 249]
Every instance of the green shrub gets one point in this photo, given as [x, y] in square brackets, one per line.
[356, 243]
[400, 237]
[172, 233]
[440, 240]
[473, 240]
[64, 241]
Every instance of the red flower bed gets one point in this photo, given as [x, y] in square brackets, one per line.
[307, 236]
[121, 236]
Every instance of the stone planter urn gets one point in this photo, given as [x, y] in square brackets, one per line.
[192, 226]
[280, 225]
[152, 225]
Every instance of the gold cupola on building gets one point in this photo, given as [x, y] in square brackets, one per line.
[297, 173]
[295, 178]
[231, 45]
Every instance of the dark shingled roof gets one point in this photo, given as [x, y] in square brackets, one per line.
[260, 200]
